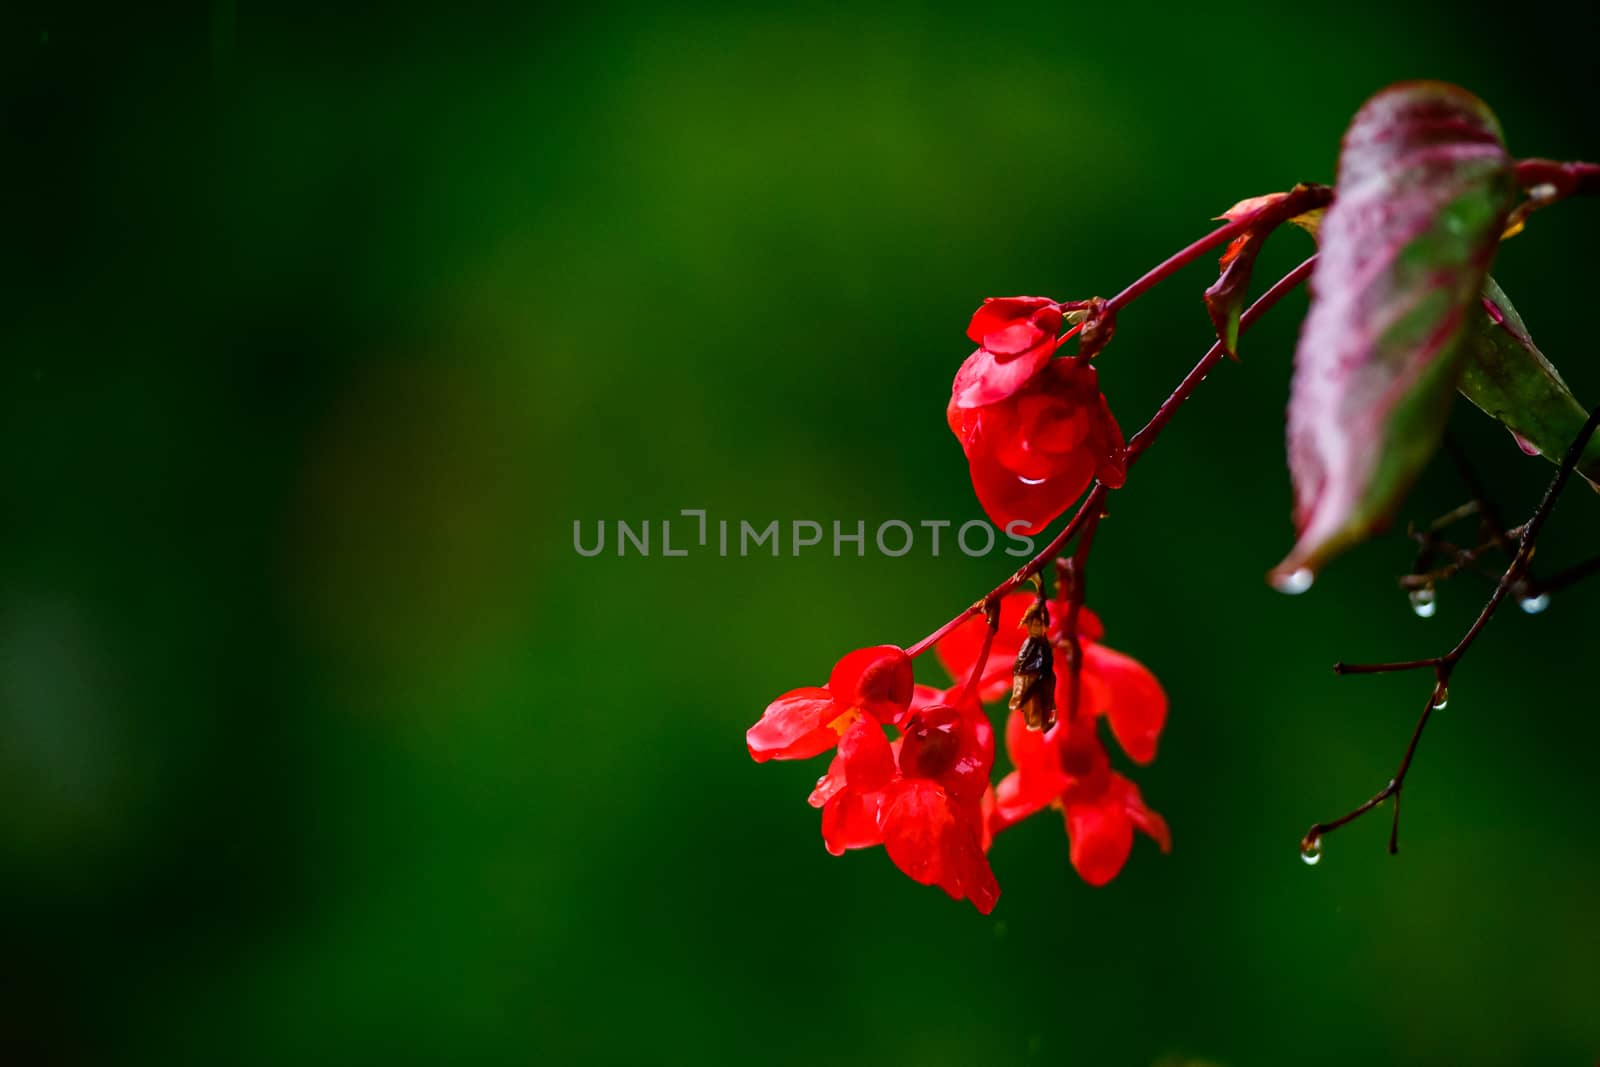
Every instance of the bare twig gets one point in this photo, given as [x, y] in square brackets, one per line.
[1443, 666]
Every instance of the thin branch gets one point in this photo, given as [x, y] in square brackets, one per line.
[1562, 179]
[991, 610]
[1342, 667]
[1313, 197]
[1443, 666]
[1462, 558]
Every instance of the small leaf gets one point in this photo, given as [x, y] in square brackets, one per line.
[1424, 190]
[1225, 299]
[1511, 381]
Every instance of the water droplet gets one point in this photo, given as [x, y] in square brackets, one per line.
[1441, 698]
[1532, 605]
[1294, 583]
[1311, 851]
[1423, 602]
[1527, 446]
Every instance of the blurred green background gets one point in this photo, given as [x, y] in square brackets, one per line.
[319, 743]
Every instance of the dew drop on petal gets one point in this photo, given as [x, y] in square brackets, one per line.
[1311, 851]
[1423, 602]
[1294, 583]
[1533, 605]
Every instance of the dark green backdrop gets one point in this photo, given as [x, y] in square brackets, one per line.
[318, 742]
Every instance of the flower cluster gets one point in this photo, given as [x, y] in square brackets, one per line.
[926, 795]
[1035, 430]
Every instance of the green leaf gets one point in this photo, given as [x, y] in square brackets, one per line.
[1425, 186]
[1511, 381]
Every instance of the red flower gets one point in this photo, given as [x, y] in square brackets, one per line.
[1067, 767]
[807, 722]
[1016, 336]
[1111, 684]
[1035, 450]
[924, 797]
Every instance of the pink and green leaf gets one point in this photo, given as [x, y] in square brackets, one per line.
[1425, 187]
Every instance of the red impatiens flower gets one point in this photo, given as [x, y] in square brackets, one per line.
[925, 797]
[806, 722]
[1110, 684]
[1016, 336]
[1066, 767]
[1034, 451]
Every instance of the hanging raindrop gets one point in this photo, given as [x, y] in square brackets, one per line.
[1311, 851]
[1533, 605]
[1423, 602]
[1441, 697]
[1294, 583]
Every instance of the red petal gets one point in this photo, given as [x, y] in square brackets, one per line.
[1101, 837]
[1082, 758]
[999, 312]
[877, 680]
[1045, 431]
[1111, 465]
[1152, 825]
[1130, 698]
[1014, 339]
[851, 793]
[986, 811]
[964, 421]
[932, 742]
[1012, 804]
[852, 820]
[1021, 505]
[795, 726]
[968, 778]
[1023, 481]
[937, 842]
[987, 378]
[1038, 780]
[864, 756]
[864, 761]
